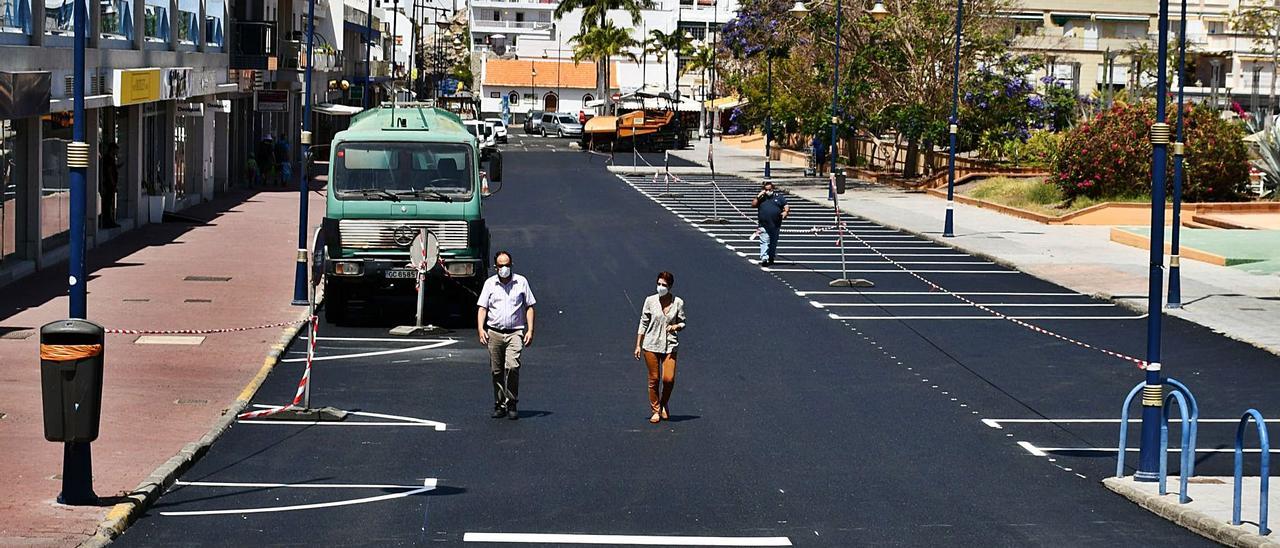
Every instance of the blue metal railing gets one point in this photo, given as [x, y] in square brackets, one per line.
[1263, 473]
[1189, 411]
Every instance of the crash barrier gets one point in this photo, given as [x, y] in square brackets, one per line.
[1189, 411]
[1263, 472]
[200, 331]
[303, 384]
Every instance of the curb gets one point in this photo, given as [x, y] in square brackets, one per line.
[122, 515]
[1168, 508]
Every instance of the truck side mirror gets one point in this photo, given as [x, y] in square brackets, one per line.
[495, 166]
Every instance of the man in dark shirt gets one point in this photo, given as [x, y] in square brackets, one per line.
[772, 208]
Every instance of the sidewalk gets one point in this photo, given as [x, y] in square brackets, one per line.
[233, 270]
[1240, 304]
[1209, 511]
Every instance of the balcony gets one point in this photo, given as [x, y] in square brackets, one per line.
[253, 45]
[541, 28]
[516, 4]
[293, 56]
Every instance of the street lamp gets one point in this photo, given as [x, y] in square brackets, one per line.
[300, 270]
[533, 88]
[948, 225]
[1153, 391]
[1175, 278]
[768, 117]
[877, 11]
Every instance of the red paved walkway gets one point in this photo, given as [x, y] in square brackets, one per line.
[156, 397]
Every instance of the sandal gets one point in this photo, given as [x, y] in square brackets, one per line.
[664, 414]
[655, 418]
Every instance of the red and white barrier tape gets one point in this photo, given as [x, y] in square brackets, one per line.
[1141, 363]
[198, 331]
[302, 383]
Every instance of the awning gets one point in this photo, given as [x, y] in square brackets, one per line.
[337, 110]
[725, 103]
[1128, 18]
[1023, 16]
[1061, 17]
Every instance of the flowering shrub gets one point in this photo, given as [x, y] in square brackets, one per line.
[1001, 107]
[1110, 155]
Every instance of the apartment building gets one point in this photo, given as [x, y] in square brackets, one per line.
[1078, 38]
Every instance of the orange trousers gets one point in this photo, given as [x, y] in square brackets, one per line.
[660, 366]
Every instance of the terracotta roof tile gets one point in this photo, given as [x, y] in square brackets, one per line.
[517, 73]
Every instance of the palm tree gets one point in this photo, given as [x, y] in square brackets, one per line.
[676, 42]
[595, 14]
[601, 43]
[648, 46]
[702, 59]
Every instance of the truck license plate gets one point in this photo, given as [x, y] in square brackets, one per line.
[402, 273]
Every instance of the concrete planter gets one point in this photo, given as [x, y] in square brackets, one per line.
[155, 208]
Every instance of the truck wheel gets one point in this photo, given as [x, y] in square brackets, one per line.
[335, 304]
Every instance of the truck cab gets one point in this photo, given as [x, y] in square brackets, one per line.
[394, 171]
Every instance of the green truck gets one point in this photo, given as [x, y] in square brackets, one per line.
[394, 171]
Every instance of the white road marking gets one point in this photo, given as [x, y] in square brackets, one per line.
[997, 423]
[295, 485]
[363, 339]
[427, 485]
[1032, 449]
[992, 305]
[972, 293]
[399, 420]
[838, 317]
[434, 345]
[1134, 449]
[890, 271]
[618, 540]
[978, 262]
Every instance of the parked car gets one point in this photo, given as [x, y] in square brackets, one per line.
[499, 129]
[484, 135]
[532, 121]
[562, 124]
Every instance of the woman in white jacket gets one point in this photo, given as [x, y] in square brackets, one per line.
[661, 318]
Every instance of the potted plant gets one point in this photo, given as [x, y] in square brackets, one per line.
[155, 202]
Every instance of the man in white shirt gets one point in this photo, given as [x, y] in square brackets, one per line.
[504, 323]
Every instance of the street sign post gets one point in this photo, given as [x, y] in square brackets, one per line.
[424, 253]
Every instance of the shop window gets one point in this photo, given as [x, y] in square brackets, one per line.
[15, 16]
[117, 19]
[188, 21]
[587, 98]
[9, 182]
[55, 193]
[59, 17]
[156, 18]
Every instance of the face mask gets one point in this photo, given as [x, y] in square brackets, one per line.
[663, 290]
[504, 272]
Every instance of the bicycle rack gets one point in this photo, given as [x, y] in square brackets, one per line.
[1263, 471]
[1189, 410]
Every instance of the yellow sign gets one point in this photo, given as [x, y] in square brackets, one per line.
[133, 86]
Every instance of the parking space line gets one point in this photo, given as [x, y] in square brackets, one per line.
[969, 293]
[998, 423]
[620, 540]
[1044, 451]
[887, 271]
[432, 346]
[802, 263]
[427, 485]
[985, 318]
[992, 305]
[295, 485]
[395, 420]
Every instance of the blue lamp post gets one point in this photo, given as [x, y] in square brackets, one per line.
[948, 226]
[768, 117]
[78, 162]
[300, 272]
[1175, 281]
[1153, 392]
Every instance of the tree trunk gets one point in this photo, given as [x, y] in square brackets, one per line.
[912, 165]
[1275, 66]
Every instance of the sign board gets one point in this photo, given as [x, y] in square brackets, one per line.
[23, 94]
[506, 111]
[449, 86]
[190, 109]
[175, 83]
[424, 253]
[203, 82]
[271, 100]
[134, 86]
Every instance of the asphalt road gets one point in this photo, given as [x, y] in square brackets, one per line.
[864, 429]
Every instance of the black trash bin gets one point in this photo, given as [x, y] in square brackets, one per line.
[71, 379]
[840, 181]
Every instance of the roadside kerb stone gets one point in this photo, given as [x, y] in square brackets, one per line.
[1213, 527]
[123, 514]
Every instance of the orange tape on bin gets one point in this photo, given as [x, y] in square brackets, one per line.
[69, 352]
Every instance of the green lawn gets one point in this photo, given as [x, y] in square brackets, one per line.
[1034, 194]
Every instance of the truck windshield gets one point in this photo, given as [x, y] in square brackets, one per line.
[381, 171]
